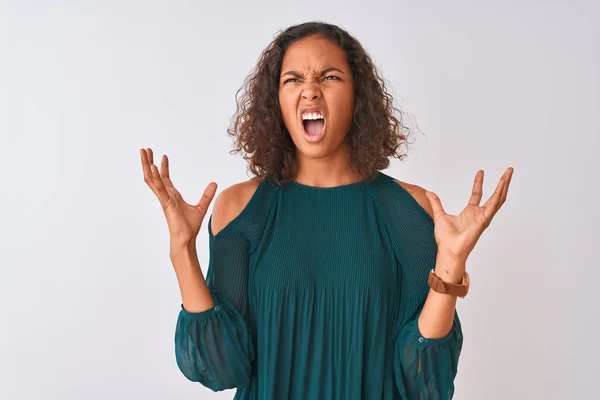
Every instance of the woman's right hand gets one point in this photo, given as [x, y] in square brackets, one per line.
[184, 220]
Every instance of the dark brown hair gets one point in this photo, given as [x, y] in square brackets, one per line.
[260, 133]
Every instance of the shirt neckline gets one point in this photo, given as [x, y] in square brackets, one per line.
[339, 187]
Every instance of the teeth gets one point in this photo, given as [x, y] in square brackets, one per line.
[313, 115]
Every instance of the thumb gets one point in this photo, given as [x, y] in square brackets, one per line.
[207, 196]
[436, 205]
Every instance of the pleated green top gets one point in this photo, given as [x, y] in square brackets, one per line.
[317, 292]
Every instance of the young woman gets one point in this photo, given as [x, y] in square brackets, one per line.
[327, 278]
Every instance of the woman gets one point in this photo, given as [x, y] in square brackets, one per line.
[327, 278]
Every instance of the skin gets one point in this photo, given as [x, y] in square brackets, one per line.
[322, 164]
[315, 72]
[456, 236]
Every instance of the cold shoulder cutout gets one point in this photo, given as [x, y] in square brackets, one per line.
[230, 203]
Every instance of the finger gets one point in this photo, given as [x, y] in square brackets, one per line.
[492, 205]
[477, 189]
[207, 196]
[505, 190]
[436, 205]
[505, 182]
[161, 190]
[146, 167]
[164, 171]
[150, 156]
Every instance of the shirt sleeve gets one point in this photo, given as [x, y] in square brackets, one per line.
[425, 368]
[214, 347]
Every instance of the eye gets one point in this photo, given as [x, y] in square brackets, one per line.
[289, 80]
[331, 76]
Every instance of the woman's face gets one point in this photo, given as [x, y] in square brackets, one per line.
[316, 95]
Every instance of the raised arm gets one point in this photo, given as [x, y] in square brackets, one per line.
[212, 339]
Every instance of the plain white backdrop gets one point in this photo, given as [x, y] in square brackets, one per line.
[88, 296]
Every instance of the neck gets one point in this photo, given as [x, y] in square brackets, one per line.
[329, 171]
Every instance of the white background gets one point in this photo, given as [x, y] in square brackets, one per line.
[88, 297]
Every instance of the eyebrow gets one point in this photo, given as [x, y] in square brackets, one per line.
[325, 71]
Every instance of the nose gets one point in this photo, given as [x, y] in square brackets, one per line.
[311, 92]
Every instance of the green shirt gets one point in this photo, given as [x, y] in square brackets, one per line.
[317, 292]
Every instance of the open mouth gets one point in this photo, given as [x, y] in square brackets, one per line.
[314, 123]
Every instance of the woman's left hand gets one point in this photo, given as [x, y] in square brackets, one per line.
[456, 235]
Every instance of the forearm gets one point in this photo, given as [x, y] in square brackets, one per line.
[437, 316]
[195, 295]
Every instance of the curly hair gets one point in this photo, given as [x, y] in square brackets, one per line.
[258, 129]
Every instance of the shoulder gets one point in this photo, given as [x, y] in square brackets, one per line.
[418, 193]
[230, 203]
